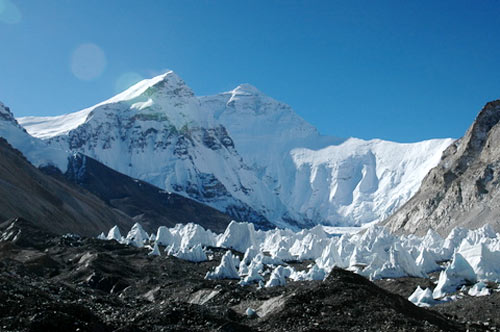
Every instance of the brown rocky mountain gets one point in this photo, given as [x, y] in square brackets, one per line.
[56, 205]
[464, 189]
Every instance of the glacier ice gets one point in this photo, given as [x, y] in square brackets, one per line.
[114, 234]
[278, 276]
[226, 269]
[252, 273]
[163, 236]
[314, 273]
[456, 274]
[372, 252]
[426, 261]
[422, 297]
[137, 236]
[479, 289]
[238, 236]
[194, 254]
[484, 262]
[155, 251]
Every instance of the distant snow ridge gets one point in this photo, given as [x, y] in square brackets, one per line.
[473, 255]
[243, 153]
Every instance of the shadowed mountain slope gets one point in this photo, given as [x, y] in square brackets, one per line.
[145, 203]
[59, 207]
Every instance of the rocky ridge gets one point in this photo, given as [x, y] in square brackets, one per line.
[35, 150]
[464, 188]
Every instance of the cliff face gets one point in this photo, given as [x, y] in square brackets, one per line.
[463, 190]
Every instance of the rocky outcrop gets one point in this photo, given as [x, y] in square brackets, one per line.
[464, 189]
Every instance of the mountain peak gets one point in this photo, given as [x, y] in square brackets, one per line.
[168, 83]
[165, 93]
[248, 97]
[5, 113]
[7, 116]
[246, 89]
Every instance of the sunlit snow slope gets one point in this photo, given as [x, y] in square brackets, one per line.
[243, 153]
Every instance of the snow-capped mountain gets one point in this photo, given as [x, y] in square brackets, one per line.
[156, 131]
[321, 179]
[91, 191]
[253, 118]
[242, 152]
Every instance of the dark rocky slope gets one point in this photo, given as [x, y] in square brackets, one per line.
[56, 205]
[145, 203]
[68, 283]
[464, 189]
[479, 311]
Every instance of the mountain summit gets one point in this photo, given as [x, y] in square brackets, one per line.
[164, 97]
[242, 152]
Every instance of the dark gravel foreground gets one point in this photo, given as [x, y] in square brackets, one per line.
[54, 283]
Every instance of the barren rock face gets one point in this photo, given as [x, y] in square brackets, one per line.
[463, 190]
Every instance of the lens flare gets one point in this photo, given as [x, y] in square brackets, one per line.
[88, 62]
[9, 13]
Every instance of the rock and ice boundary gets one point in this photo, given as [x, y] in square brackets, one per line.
[464, 258]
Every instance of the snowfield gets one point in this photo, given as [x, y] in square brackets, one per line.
[465, 257]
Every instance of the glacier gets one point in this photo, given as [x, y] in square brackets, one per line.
[243, 153]
[373, 252]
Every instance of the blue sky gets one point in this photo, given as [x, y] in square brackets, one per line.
[397, 70]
